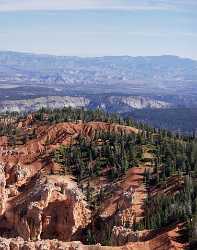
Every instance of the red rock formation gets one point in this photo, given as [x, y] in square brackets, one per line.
[48, 206]
[3, 191]
[37, 205]
[3, 141]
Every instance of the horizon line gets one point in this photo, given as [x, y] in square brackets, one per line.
[93, 56]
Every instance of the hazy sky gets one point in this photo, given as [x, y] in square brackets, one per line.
[100, 27]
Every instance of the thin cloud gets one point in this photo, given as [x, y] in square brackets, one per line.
[133, 33]
[3, 34]
[163, 34]
[123, 5]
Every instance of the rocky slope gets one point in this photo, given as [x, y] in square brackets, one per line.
[40, 208]
[47, 102]
[109, 103]
[35, 203]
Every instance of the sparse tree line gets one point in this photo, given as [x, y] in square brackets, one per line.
[91, 157]
[166, 209]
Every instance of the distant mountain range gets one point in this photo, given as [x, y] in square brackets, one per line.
[121, 84]
[119, 74]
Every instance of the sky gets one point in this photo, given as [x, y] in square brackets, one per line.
[100, 27]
